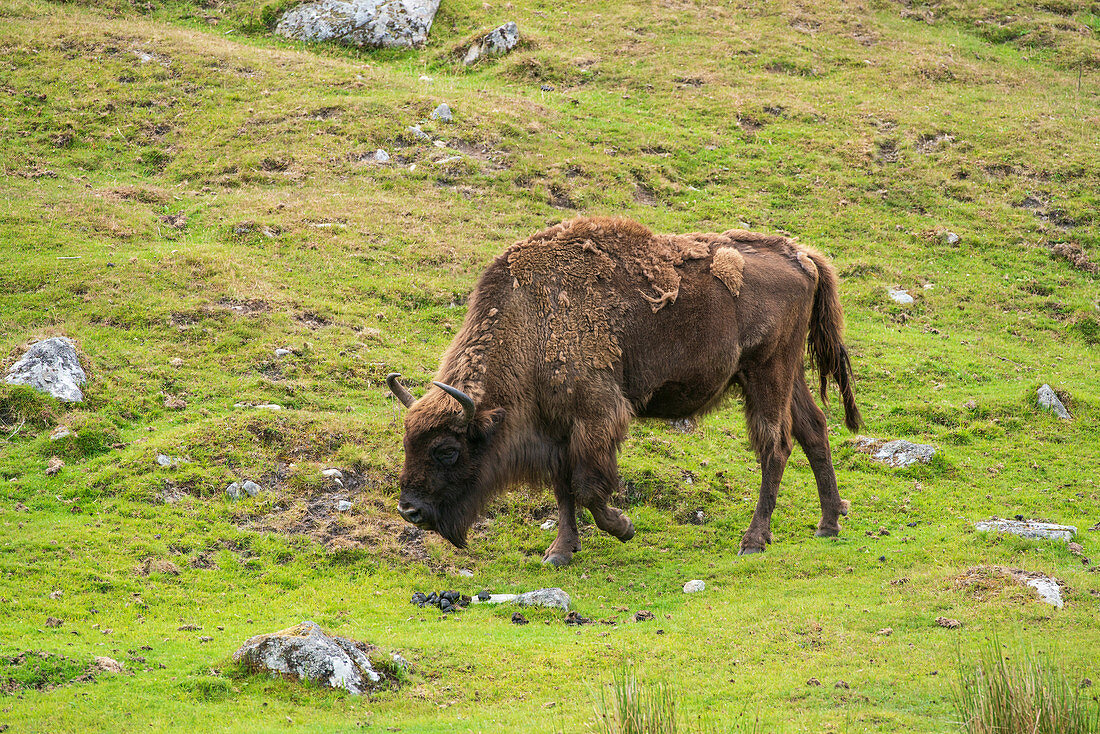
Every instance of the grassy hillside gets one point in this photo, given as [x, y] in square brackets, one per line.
[184, 193]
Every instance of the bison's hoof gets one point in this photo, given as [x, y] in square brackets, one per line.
[845, 505]
[827, 532]
[747, 551]
[628, 533]
[558, 560]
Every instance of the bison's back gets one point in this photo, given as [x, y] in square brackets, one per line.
[606, 305]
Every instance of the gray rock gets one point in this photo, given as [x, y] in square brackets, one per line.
[401, 662]
[305, 652]
[164, 460]
[418, 133]
[549, 525]
[1048, 590]
[465, 573]
[950, 238]
[381, 156]
[283, 352]
[544, 598]
[251, 488]
[898, 453]
[442, 113]
[343, 506]
[900, 295]
[234, 491]
[693, 586]
[53, 367]
[376, 23]
[1049, 399]
[269, 406]
[497, 42]
[1030, 529]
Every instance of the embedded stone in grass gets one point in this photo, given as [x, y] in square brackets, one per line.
[900, 295]
[282, 352]
[332, 473]
[54, 465]
[381, 156]
[51, 366]
[553, 597]
[164, 460]
[234, 491]
[898, 454]
[1047, 589]
[306, 652]
[442, 113]
[377, 23]
[694, 585]
[496, 42]
[1049, 399]
[251, 488]
[343, 506]
[1030, 529]
[950, 238]
[60, 432]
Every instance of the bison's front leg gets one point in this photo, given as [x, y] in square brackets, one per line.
[561, 551]
[593, 484]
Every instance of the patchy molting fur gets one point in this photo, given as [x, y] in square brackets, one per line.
[574, 331]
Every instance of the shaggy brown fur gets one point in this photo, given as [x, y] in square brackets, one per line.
[580, 328]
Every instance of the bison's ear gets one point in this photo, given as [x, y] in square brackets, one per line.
[484, 424]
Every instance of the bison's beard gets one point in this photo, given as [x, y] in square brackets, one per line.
[454, 525]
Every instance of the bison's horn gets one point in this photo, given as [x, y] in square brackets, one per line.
[465, 400]
[399, 390]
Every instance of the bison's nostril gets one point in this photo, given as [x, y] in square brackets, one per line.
[410, 513]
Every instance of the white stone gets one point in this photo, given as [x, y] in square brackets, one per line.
[343, 506]
[549, 525]
[693, 586]
[900, 295]
[53, 367]
[418, 133]
[1047, 589]
[335, 473]
[164, 460]
[381, 156]
[1030, 529]
[495, 599]
[377, 23]
[307, 653]
[269, 406]
[1049, 400]
[283, 352]
[465, 573]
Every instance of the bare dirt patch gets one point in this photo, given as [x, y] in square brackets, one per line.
[1076, 257]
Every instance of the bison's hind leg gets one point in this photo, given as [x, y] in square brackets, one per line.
[808, 427]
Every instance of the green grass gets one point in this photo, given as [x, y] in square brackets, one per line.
[865, 129]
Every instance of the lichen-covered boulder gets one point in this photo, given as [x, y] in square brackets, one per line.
[53, 367]
[305, 652]
[376, 23]
[898, 454]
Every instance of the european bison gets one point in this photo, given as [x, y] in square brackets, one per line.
[576, 330]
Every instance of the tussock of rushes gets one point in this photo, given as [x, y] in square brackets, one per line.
[629, 707]
[1029, 695]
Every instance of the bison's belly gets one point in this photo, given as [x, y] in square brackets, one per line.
[682, 399]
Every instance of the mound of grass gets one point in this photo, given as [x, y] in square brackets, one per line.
[23, 404]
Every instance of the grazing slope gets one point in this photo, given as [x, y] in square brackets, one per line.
[183, 194]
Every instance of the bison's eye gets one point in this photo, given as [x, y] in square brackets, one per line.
[445, 455]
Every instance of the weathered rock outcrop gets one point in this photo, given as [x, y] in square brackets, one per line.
[377, 23]
[305, 652]
[496, 42]
[53, 367]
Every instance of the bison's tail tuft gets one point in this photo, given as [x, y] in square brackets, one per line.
[825, 340]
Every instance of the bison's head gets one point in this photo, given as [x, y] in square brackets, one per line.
[447, 440]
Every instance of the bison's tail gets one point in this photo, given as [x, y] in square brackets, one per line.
[825, 340]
